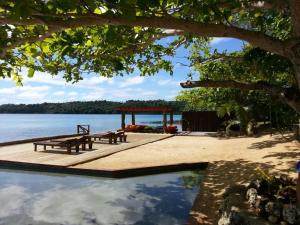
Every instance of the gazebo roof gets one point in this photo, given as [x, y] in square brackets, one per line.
[146, 109]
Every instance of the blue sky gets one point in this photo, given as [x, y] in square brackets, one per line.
[45, 88]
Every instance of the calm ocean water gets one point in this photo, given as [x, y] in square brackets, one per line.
[22, 126]
[57, 199]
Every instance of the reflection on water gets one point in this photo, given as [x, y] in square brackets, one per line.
[35, 199]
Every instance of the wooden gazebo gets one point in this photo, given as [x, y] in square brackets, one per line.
[134, 110]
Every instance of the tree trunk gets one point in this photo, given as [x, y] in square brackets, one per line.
[292, 97]
[294, 103]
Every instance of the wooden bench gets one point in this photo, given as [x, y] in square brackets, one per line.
[87, 140]
[66, 143]
[111, 136]
[83, 141]
[63, 144]
[121, 135]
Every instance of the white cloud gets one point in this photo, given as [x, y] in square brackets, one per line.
[95, 95]
[22, 89]
[72, 99]
[37, 93]
[14, 198]
[44, 78]
[58, 80]
[59, 93]
[132, 81]
[148, 93]
[135, 94]
[24, 94]
[218, 40]
[179, 65]
[8, 90]
[43, 88]
[95, 80]
[72, 93]
[171, 97]
[31, 95]
[167, 82]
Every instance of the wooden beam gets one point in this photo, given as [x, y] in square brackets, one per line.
[231, 84]
[133, 118]
[164, 119]
[171, 118]
[123, 120]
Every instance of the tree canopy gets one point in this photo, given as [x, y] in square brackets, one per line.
[88, 107]
[252, 79]
[113, 37]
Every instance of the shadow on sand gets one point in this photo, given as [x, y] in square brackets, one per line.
[271, 143]
[223, 174]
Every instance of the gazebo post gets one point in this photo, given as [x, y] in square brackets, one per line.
[164, 119]
[132, 118]
[171, 118]
[123, 120]
[134, 110]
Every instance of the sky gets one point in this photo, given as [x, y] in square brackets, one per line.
[45, 88]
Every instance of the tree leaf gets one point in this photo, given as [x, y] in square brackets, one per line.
[89, 43]
[31, 72]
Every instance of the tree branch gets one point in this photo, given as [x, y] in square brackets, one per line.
[233, 84]
[222, 58]
[200, 29]
[137, 47]
[295, 9]
[27, 22]
[289, 96]
[23, 41]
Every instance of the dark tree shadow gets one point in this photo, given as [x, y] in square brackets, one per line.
[223, 174]
[166, 204]
[271, 143]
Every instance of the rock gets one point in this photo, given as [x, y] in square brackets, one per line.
[251, 196]
[260, 208]
[251, 127]
[260, 185]
[289, 213]
[254, 184]
[273, 208]
[273, 219]
[230, 213]
[224, 220]
[233, 217]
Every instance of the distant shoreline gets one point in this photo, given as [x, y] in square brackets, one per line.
[147, 113]
[88, 107]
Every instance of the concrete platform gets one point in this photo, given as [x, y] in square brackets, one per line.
[24, 156]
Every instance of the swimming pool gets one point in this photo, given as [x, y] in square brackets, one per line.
[52, 199]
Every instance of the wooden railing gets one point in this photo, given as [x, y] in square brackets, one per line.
[83, 129]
